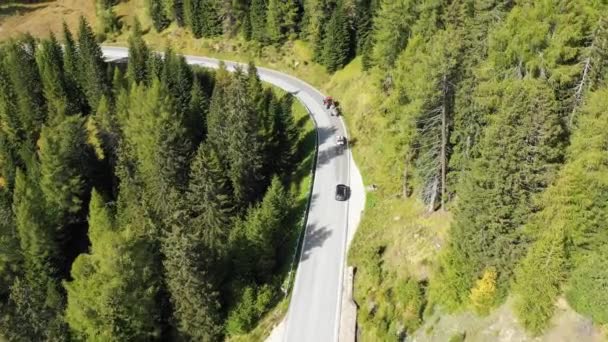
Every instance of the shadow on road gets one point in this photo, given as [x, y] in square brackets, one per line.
[315, 237]
[330, 153]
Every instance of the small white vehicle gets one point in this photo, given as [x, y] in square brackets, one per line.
[341, 140]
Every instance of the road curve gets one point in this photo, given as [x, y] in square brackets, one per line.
[314, 310]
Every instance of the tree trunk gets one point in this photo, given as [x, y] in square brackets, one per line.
[433, 195]
[444, 142]
[406, 190]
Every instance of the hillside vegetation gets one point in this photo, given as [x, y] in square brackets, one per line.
[482, 124]
[145, 201]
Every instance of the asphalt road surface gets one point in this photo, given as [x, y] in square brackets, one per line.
[314, 311]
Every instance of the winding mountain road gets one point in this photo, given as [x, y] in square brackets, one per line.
[315, 307]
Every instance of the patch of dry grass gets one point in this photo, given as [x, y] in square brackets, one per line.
[40, 19]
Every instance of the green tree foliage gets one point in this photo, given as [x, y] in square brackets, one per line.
[574, 209]
[281, 20]
[155, 139]
[209, 198]
[178, 77]
[392, 28]
[196, 116]
[112, 296]
[192, 286]
[316, 15]
[91, 67]
[473, 102]
[257, 16]
[203, 17]
[158, 15]
[35, 294]
[23, 99]
[173, 170]
[49, 58]
[174, 10]
[139, 55]
[337, 46]
[10, 253]
[106, 18]
[233, 130]
[252, 304]
[497, 195]
[262, 232]
[429, 96]
[63, 160]
[587, 287]
[539, 278]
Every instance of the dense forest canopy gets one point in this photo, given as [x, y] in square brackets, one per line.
[496, 113]
[146, 201]
[496, 107]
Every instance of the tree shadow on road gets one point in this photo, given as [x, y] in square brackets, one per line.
[327, 155]
[315, 238]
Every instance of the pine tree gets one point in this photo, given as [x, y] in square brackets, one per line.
[50, 63]
[178, 12]
[209, 198]
[193, 16]
[288, 135]
[138, 56]
[35, 295]
[291, 19]
[210, 16]
[157, 13]
[71, 64]
[178, 77]
[106, 17]
[269, 110]
[316, 15]
[217, 125]
[91, 67]
[196, 120]
[471, 106]
[518, 160]
[70, 54]
[124, 308]
[537, 291]
[8, 165]
[570, 226]
[26, 88]
[273, 21]
[426, 74]
[337, 49]
[264, 232]
[363, 22]
[12, 131]
[257, 13]
[11, 262]
[155, 142]
[392, 28]
[243, 151]
[63, 160]
[194, 295]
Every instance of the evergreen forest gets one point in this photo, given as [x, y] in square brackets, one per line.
[483, 123]
[140, 201]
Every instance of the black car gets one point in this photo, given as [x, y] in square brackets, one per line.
[341, 192]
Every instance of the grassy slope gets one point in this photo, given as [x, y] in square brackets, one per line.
[40, 19]
[396, 239]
